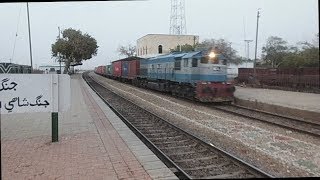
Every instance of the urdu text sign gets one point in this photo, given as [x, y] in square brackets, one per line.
[22, 93]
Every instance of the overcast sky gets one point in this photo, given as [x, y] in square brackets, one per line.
[119, 23]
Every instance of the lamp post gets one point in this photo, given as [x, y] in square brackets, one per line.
[255, 53]
[29, 37]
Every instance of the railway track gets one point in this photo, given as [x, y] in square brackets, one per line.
[275, 119]
[187, 155]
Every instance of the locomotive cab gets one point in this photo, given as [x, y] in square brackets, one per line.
[211, 85]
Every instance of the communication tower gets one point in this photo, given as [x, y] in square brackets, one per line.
[177, 18]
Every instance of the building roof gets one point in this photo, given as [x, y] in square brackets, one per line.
[166, 35]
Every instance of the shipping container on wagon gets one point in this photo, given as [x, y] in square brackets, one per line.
[100, 70]
[117, 68]
[108, 70]
[134, 69]
[103, 70]
[125, 68]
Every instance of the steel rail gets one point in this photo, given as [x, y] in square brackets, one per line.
[278, 123]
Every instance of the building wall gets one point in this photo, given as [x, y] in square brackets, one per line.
[148, 45]
[47, 68]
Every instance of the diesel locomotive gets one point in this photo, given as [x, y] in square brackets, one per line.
[197, 75]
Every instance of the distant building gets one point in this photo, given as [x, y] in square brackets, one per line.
[155, 44]
[51, 68]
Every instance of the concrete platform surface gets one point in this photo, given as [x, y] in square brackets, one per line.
[304, 105]
[93, 144]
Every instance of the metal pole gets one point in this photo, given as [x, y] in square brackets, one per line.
[255, 53]
[54, 127]
[29, 38]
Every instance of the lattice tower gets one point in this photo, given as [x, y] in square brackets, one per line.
[177, 17]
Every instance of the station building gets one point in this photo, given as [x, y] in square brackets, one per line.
[155, 44]
[53, 68]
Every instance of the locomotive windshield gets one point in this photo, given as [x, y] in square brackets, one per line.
[208, 60]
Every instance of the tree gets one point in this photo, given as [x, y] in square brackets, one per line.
[74, 47]
[274, 51]
[127, 51]
[224, 48]
[316, 41]
[184, 48]
[278, 53]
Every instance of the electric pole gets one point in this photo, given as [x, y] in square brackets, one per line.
[29, 37]
[255, 53]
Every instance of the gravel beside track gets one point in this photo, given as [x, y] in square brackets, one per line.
[286, 122]
[276, 150]
[197, 159]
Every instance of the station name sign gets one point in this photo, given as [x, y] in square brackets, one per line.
[23, 93]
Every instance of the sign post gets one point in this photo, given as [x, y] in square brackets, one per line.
[54, 126]
[0, 146]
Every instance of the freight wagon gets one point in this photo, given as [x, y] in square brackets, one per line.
[305, 79]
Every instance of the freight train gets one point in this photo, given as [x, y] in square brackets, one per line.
[197, 75]
[301, 79]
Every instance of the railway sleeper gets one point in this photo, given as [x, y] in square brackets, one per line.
[179, 151]
[189, 156]
[202, 162]
[147, 125]
[164, 139]
[219, 171]
[202, 159]
[170, 139]
[174, 145]
[151, 130]
[163, 134]
[233, 175]
[210, 166]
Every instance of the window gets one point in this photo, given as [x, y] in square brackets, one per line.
[194, 62]
[158, 66]
[152, 66]
[160, 49]
[204, 60]
[177, 64]
[185, 62]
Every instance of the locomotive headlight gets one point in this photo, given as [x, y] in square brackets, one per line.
[212, 55]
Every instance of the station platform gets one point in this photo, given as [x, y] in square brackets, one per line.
[297, 104]
[93, 144]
